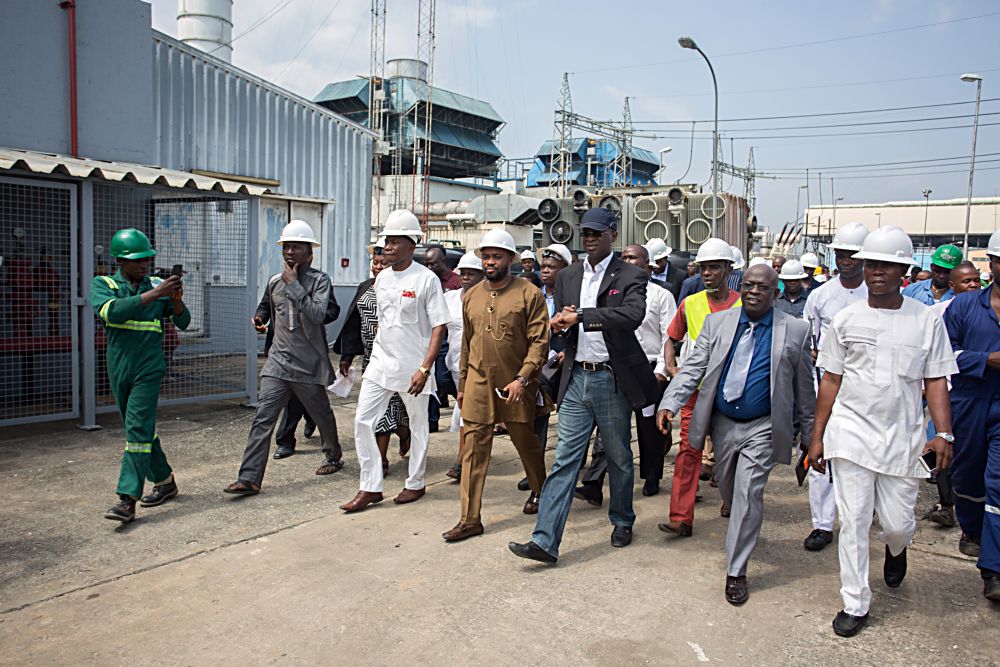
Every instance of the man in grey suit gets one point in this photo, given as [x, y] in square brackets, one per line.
[754, 367]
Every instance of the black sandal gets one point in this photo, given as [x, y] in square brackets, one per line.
[242, 489]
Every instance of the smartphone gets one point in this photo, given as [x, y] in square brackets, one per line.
[929, 460]
[502, 393]
[178, 270]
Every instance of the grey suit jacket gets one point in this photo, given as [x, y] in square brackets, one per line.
[791, 379]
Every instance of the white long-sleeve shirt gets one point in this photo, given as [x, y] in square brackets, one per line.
[652, 333]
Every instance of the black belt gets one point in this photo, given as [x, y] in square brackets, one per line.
[593, 366]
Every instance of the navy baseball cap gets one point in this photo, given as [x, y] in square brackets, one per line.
[600, 219]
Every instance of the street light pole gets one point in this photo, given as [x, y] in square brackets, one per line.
[927, 202]
[688, 43]
[969, 78]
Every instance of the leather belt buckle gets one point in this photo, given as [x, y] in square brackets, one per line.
[592, 366]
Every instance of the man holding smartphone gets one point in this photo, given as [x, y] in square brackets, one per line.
[505, 340]
[132, 307]
[870, 417]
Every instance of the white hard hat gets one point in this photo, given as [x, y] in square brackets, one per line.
[470, 261]
[658, 249]
[557, 249]
[738, 262]
[792, 270]
[714, 250]
[887, 244]
[985, 276]
[402, 223]
[820, 278]
[809, 260]
[497, 238]
[757, 261]
[993, 246]
[528, 254]
[298, 231]
[849, 237]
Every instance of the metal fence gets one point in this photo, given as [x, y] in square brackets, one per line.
[38, 326]
[207, 236]
[55, 237]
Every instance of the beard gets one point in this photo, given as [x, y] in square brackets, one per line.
[496, 274]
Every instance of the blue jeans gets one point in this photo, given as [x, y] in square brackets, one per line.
[591, 397]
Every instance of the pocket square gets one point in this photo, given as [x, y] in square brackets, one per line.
[612, 292]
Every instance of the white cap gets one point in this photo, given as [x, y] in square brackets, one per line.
[849, 237]
[402, 223]
[470, 261]
[792, 270]
[298, 231]
[809, 260]
[985, 276]
[757, 261]
[528, 254]
[738, 257]
[556, 249]
[820, 278]
[497, 238]
[658, 249]
[887, 244]
[714, 250]
[993, 246]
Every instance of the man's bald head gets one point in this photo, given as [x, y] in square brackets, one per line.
[637, 255]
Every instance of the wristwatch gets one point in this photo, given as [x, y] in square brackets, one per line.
[947, 437]
[425, 371]
[523, 380]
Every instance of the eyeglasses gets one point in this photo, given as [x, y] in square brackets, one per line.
[763, 288]
[593, 233]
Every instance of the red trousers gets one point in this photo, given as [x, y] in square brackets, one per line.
[687, 467]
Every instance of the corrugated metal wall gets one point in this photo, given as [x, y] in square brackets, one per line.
[215, 117]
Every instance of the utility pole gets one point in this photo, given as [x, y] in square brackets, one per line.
[425, 52]
[927, 203]
[562, 137]
[376, 106]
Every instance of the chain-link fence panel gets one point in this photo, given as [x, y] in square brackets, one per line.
[205, 238]
[38, 333]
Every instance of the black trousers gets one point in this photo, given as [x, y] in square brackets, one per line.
[294, 411]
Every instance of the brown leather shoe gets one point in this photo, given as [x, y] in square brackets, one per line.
[362, 500]
[408, 496]
[678, 528]
[725, 510]
[463, 531]
[531, 505]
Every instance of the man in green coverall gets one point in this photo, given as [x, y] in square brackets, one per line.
[132, 306]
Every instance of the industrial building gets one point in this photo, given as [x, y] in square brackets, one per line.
[115, 125]
[929, 223]
[592, 164]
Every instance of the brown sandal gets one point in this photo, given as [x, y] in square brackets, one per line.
[242, 489]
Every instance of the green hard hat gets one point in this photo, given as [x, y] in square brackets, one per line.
[947, 256]
[131, 244]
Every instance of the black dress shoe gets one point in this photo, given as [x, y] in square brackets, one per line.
[651, 487]
[531, 551]
[894, 569]
[846, 625]
[818, 539]
[591, 493]
[283, 453]
[991, 586]
[523, 485]
[621, 536]
[309, 430]
[161, 493]
[969, 545]
[737, 591]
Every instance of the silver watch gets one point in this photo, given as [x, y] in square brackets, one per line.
[947, 437]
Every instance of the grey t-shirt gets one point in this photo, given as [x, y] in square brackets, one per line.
[299, 352]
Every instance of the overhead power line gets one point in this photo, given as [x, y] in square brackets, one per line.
[797, 45]
[815, 115]
[265, 17]
[902, 169]
[820, 134]
[879, 164]
[868, 176]
[899, 121]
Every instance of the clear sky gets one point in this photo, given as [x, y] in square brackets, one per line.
[771, 59]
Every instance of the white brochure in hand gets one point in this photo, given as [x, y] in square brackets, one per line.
[342, 387]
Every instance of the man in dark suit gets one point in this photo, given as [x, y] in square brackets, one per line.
[600, 303]
[754, 369]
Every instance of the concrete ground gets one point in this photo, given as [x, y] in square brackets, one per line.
[285, 577]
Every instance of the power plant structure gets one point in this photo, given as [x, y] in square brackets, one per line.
[592, 163]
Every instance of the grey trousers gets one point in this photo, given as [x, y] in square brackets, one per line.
[271, 400]
[743, 462]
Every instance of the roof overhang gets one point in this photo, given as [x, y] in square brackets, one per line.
[14, 159]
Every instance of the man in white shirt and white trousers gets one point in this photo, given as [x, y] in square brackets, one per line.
[822, 305]
[878, 354]
[412, 323]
